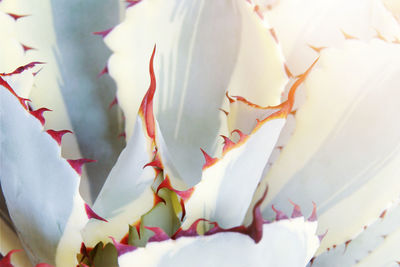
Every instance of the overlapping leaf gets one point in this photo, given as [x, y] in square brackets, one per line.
[33, 172]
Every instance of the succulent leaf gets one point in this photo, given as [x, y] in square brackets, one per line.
[377, 245]
[32, 172]
[303, 35]
[60, 33]
[127, 193]
[336, 156]
[195, 67]
[293, 237]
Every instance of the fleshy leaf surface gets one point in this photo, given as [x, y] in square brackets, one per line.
[227, 185]
[61, 34]
[127, 193]
[294, 237]
[321, 24]
[345, 147]
[375, 246]
[45, 92]
[195, 67]
[33, 172]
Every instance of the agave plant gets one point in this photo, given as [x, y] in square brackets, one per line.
[243, 120]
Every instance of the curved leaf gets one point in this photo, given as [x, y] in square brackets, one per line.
[227, 185]
[33, 173]
[344, 153]
[375, 246]
[293, 237]
[60, 33]
[194, 68]
[127, 193]
[320, 24]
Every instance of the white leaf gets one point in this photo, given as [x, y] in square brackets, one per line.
[127, 193]
[344, 153]
[299, 24]
[204, 49]
[286, 243]
[60, 33]
[227, 186]
[33, 173]
[373, 247]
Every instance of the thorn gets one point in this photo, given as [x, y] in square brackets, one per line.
[92, 215]
[279, 214]
[224, 111]
[346, 244]
[146, 107]
[16, 17]
[209, 160]
[113, 103]
[77, 164]
[383, 214]
[348, 36]
[57, 135]
[228, 144]
[273, 33]
[313, 216]
[258, 11]
[320, 237]
[104, 33]
[36, 73]
[288, 72]
[27, 48]
[312, 261]
[231, 100]
[38, 114]
[155, 163]
[380, 36]
[102, 72]
[317, 49]
[23, 68]
[296, 210]
[131, 3]
[123, 134]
